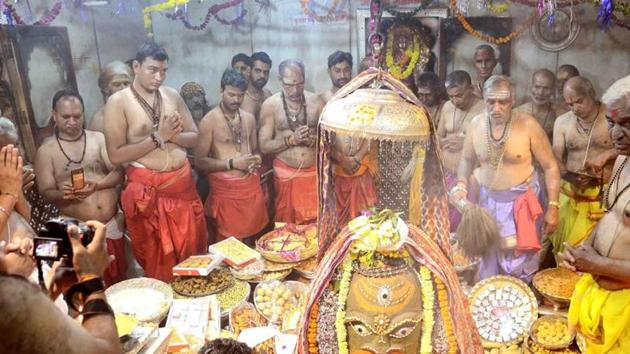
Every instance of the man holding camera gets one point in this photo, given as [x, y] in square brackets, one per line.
[33, 324]
[74, 172]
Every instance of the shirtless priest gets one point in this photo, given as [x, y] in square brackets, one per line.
[506, 143]
[288, 131]
[148, 128]
[228, 153]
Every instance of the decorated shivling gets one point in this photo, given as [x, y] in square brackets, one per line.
[386, 287]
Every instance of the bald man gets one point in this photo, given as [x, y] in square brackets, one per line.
[506, 144]
[541, 104]
[564, 73]
[584, 149]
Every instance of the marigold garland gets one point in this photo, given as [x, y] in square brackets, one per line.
[344, 287]
[213, 11]
[446, 316]
[402, 16]
[428, 301]
[486, 37]
[146, 12]
[330, 15]
[312, 330]
[412, 53]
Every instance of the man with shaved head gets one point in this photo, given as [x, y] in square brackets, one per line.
[288, 131]
[455, 117]
[541, 105]
[506, 143]
[565, 72]
[583, 147]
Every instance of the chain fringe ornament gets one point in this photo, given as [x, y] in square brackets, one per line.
[486, 37]
[147, 11]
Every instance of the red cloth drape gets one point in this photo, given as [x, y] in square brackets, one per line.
[296, 193]
[164, 217]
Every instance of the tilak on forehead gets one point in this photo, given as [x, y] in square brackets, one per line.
[498, 95]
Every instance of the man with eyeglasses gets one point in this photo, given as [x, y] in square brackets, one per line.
[288, 132]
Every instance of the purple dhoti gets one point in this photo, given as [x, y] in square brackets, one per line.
[454, 215]
[500, 204]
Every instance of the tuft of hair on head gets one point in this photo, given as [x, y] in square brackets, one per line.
[233, 77]
[339, 57]
[151, 49]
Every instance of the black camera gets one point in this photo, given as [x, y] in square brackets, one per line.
[53, 242]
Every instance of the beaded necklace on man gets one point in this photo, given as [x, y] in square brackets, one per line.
[235, 129]
[292, 119]
[496, 147]
[615, 181]
[70, 160]
[459, 121]
[153, 111]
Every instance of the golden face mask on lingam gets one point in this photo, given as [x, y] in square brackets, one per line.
[384, 311]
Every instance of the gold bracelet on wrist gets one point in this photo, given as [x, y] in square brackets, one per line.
[555, 204]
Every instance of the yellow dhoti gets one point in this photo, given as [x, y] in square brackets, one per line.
[580, 210]
[601, 316]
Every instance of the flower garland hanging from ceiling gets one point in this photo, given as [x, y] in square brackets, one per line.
[146, 12]
[13, 18]
[213, 11]
[330, 14]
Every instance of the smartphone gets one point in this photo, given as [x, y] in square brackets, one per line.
[78, 178]
[46, 248]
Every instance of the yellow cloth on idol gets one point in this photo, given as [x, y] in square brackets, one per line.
[601, 316]
[580, 210]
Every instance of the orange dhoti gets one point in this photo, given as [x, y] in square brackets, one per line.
[164, 217]
[237, 204]
[296, 193]
[354, 193]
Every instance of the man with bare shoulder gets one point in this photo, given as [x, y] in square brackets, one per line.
[256, 92]
[228, 153]
[564, 73]
[506, 143]
[289, 132]
[485, 60]
[542, 105]
[432, 94]
[455, 117]
[148, 128]
[585, 152]
[74, 173]
[600, 302]
[114, 77]
[340, 72]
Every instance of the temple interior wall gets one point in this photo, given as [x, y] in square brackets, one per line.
[98, 36]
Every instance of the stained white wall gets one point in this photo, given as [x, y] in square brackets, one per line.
[283, 31]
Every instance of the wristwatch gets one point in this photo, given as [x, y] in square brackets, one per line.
[75, 296]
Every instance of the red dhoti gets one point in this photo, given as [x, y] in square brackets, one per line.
[354, 193]
[296, 193]
[237, 204]
[164, 218]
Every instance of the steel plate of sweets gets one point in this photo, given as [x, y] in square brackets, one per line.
[377, 149]
[504, 309]
[556, 284]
